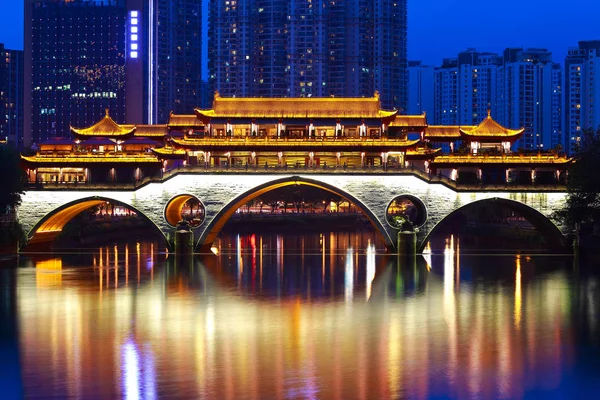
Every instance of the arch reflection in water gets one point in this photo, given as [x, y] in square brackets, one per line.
[310, 265]
[186, 330]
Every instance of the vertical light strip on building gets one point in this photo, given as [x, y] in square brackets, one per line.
[134, 34]
[151, 61]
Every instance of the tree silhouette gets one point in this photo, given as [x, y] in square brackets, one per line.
[13, 178]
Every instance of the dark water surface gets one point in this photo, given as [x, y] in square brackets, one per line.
[323, 316]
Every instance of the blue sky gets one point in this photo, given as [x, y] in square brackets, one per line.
[442, 28]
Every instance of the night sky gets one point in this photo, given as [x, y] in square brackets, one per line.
[442, 28]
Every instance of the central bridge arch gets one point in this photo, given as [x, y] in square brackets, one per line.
[544, 225]
[51, 225]
[210, 233]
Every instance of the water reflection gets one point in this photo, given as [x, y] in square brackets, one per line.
[323, 316]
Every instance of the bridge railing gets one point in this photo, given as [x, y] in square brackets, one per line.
[286, 170]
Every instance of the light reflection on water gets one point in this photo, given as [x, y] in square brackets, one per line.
[312, 316]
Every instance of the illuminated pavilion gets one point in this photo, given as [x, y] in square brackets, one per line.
[268, 134]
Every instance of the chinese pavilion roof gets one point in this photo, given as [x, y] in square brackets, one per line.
[154, 131]
[296, 108]
[85, 159]
[169, 152]
[443, 132]
[354, 144]
[184, 121]
[106, 127]
[490, 129]
[409, 121]
[423, 152]
[506, 159]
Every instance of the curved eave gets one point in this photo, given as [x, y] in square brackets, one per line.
[60, 161]
[511, 135]
[169, 153]
[106, 127]
[291, 145]
[452, 161]
[442, 138]
[206, 115]
[420, 154]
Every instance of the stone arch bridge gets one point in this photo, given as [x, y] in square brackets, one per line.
[43, 213]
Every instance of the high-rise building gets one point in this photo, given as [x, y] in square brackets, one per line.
[75, 62]
[139, 58]
[269, 48]
[466, 88]
[421, 89]
[529, 96]
[522, 89]
[177, 58]
[11, 96]
[582, 88]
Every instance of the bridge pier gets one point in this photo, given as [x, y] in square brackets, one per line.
[407, 244]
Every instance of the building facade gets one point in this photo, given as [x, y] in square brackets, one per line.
[522, 88]
[308, 135]
[139, 58]
[322, 48]
[582, 87]
[421, 89]
[75, 61]
[466, 88]
[529, 96]
[11, 96]
[176, 62]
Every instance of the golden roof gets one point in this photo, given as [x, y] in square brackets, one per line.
[501, 159]
[358, 143]
[302, 107]
[105, 127]
[181, 120]
[90, 159]
[151, 130]
[169, 151]
[411, 121]
[444, 131]
[491, 129]
[423, 151]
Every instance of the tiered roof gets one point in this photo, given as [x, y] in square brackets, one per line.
[296, 108]
[487, 131]
[409, 121]
[106, 127]
[490, 130]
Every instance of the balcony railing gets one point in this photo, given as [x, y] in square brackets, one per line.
[292, 170]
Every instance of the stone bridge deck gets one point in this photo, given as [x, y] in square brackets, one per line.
[46, 209]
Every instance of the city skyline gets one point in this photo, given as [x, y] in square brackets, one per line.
[459, 25]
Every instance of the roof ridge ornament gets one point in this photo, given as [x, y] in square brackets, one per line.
[489, 113]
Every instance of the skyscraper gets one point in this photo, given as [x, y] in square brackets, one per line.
[321, 48]
[75, 60]
[529, 96]
[466, 88]
[582, 88]
[11, 96]
[522, 88]
[421, 89]
[139, 58]
[177, 57]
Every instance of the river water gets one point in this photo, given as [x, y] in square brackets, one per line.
[316, 316]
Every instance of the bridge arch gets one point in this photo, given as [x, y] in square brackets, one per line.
[540, 222]
[218, 221]
[51, 225]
